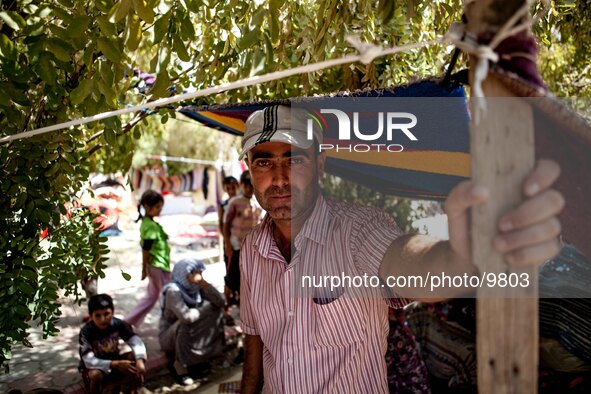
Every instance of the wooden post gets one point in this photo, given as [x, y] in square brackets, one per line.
[502, 151]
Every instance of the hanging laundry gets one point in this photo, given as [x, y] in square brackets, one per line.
[142, 180]
[205, 186]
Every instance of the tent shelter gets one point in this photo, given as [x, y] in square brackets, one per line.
[432, 169]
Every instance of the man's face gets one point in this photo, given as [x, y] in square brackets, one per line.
[285, 178]
[102, 318]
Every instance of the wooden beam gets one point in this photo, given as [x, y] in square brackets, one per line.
[502, 151]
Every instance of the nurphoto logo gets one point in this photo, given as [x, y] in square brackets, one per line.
[392, 123]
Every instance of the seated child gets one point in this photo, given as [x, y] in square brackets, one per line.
[101, 362]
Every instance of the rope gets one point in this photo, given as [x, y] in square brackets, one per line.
[485, 53]
[368, 52]
[181, 159]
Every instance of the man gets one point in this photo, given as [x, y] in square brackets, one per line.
[327, 342]
[242, 214]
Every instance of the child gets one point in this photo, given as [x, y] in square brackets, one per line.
[230, 186]
[155, 256]
[101, 361]
[242, 214]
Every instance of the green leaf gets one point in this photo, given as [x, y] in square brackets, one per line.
[62, 180]
[62, 14]
[7, 48]
[66, 3]
[4, 98]
[16, 95]
[88, 55]
[161, 27]
[60, 49]
[20, 200]
[107, 91]
[12, 19]
[113, 124]
[126, 276]
[29, 208]
[268, 50]
[110, 137]
[110, 50]
[106, 73]
[69, 157]
[274, 29]
[448, 8]
[386, 9]
[109, 29]
[180, 49]
[120, 10]
[247, 40]
[53, 170]
[192, 5]
[258, 17]
[78, 26]
[134, 33]
[82, 91]
[103, 5]
[258, 62]
[162, 84]
[187, 29]
[163, 58]
[46, 69]
[29, 274]
[44, 215]
[145, 12]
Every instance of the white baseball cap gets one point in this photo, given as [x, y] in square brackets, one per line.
[279, 123]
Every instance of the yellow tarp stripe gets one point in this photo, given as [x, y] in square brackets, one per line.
[228, 121]
[437, 162]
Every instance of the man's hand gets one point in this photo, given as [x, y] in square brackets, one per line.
[252, 371]
[528, 234]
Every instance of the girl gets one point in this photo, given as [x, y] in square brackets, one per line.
[155, 256]
[191, 325]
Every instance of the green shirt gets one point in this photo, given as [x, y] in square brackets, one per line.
[160, 251]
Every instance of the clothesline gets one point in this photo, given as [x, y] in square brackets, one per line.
[196, 179]
[368, 53]
[181, 159]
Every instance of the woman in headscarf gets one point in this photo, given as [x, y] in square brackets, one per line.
[191, 325]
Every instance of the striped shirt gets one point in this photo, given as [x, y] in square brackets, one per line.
[242, 214]
[336, 342]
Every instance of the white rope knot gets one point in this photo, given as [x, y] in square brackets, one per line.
[459, 37]
[367, 51]
[485, 53]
